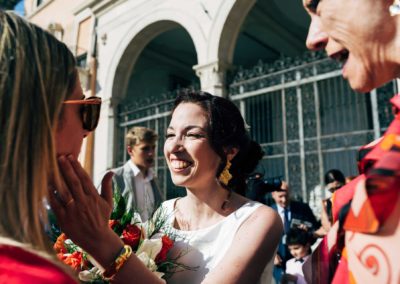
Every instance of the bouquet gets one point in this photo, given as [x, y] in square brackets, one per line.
[148, 241]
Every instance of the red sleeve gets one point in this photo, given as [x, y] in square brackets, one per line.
[19, 266]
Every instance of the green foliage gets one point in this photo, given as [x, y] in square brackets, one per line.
[120, 213]
[8, 4]
[126, 218]
[119, 206]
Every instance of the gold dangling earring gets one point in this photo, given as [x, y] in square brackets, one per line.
[225, 176]
[394, 9]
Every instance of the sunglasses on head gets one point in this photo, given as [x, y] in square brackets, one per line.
[90, 111]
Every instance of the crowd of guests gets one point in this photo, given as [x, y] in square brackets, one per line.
[44, 117]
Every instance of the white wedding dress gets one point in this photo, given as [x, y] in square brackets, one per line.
[206, 248]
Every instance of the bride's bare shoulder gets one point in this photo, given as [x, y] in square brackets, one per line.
[265, 219]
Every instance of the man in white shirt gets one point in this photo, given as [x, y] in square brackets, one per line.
[135, 179]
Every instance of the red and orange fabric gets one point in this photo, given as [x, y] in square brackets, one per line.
[368, 236]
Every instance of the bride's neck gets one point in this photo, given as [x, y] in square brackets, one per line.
[206, 199]
[202, 209]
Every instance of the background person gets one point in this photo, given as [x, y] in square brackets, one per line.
[42, 114]
[364, 36]
[299, 244]
[334, 179]
[293, 214]
[209, 152]
[135, 179]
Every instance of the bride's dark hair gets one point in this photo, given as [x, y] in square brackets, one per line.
[226, 128]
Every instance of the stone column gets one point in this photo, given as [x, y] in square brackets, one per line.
[213, 77]
[104, 139]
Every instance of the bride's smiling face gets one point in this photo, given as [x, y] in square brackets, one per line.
[190, 158]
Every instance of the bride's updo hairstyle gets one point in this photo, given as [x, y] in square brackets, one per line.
[226, 129]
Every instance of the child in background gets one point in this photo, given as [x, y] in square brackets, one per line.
[299, 243]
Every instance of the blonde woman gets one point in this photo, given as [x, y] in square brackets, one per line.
[42, 112]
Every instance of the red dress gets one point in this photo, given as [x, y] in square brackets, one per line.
[21, 266]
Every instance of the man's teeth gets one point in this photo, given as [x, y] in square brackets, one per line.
[179, 164]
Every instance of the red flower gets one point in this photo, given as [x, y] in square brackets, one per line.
[167, 244]
[61, 256]
[131, 236]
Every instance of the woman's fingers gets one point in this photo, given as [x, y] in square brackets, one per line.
[80, 210]
[58, 193]
[85, 180]
[106, 188]
[71, 178]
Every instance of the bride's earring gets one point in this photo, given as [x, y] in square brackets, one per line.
[225, 176]
[394, 9]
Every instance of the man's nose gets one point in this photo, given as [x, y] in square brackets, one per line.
[317, 38]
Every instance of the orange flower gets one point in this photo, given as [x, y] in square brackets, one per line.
[131, 236]
[74, 260]
[59, 246]
[167, 244]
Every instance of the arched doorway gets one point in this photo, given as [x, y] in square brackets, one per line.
[164, 65]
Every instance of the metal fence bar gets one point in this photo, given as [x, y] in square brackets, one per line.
[284, 127]
[301, 136]
[145, 119]
[375, 114]
[286, 85]
[318, 130]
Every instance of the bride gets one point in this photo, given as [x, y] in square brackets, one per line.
[228, 237]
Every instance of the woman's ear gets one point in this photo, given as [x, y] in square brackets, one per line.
[231, 153]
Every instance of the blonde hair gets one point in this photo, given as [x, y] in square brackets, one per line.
[139, 134]
[37, 73]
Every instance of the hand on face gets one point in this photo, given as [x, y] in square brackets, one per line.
[81, 212]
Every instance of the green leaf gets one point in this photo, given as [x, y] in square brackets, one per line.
[118, 229]
[119, 202]
[126, 218]
[119, 207]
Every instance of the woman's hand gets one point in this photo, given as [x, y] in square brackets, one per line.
[81, 212]
[83, 216]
